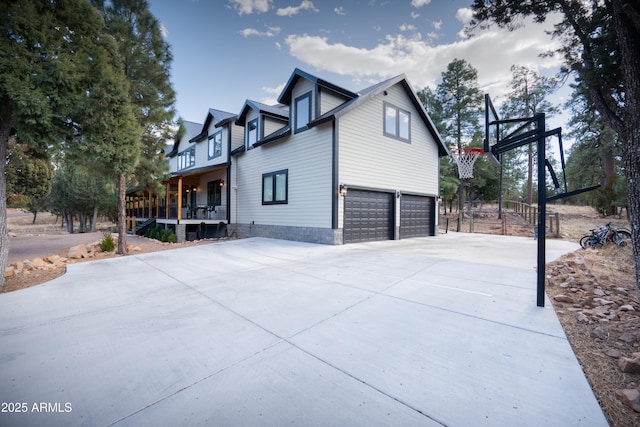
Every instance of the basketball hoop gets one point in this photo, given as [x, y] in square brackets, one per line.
[465, 157]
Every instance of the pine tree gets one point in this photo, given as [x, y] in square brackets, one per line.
[146, 60]
[58, 83]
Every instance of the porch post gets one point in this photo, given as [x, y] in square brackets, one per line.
[179, 198]
[166, 202]
[157, 206]
[150, 213]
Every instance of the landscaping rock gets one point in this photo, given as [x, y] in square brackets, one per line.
[630, 397]
[628, 365]
[564, 298]
[77, 252]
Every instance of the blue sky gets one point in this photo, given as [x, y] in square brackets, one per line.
[227, 51]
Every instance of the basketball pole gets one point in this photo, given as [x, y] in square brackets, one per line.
[542, 208]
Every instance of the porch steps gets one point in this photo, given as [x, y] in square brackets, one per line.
[143, 227]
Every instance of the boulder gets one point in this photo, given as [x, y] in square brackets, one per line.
[38, 263]
[630, 397]
[77, 252]
[9, 272]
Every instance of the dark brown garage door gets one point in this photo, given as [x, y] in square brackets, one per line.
[368, 216]
[416, 216]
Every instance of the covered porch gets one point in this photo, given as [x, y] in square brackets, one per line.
[195, 198]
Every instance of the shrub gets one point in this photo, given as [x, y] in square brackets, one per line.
[107, 244]
[158, 233]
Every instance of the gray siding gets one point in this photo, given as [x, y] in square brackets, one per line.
[369, 159]
[307, 156]
[329, 100]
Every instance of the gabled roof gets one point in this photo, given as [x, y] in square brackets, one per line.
[279, 111]
[216, 116]
[285, 96]
[379, 88]
[191, 128]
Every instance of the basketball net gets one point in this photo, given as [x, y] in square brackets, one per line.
[465, 157]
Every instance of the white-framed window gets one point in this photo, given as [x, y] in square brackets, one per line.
[187, 158]
[275, 188]
[397, 122]
[252, 133]
[302, 112]
[215, 145]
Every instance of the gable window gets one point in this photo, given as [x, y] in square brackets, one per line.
[215, 145]
[187, 158]
[275, 187]
[252, 133]
[397, 122]
[302, 112]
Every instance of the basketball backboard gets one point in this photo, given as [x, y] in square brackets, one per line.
[491, 128]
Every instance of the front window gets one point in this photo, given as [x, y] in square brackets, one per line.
[275, 187]
[215, 145]
[187, 158]
[252, 133]
[214, 193]
[303, 111]
[397, 122]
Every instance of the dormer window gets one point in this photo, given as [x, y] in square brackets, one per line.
[252, 133]
[302, 112]
[215, 145]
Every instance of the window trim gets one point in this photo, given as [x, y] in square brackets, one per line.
[214, 188]
[257, 122]
[191, 158]
[396, 134]
[273, 176]
[212, 140]
[295, 113]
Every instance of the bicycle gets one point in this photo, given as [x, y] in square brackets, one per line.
[604, 234]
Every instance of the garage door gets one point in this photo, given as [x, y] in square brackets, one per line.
[368, 215]
[416, 216]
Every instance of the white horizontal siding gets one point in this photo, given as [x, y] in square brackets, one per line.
[329, 100]
[270, 125]
[307, 156]
[370, 159]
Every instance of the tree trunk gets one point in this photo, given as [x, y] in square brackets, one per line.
[94, 218]
[5, 128]
[34, 217]
[122, 215]
[628, 34]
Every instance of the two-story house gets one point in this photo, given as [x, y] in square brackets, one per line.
[325, 165]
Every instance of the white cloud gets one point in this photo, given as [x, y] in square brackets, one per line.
[407, 27]
[437, 25]
[340, 11]
[274, 92]
[492, 52]
[414, 15]
[164, 31]
[271, 32]
[419, 3]
[294, 10]
[250, 6]
[464, 15]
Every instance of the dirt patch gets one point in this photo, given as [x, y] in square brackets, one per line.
[44, 238]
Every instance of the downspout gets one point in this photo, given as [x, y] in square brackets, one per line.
[229, 177]
[335, 176]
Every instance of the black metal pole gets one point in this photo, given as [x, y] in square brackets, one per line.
[542, 208]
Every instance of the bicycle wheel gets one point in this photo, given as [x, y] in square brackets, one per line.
[622, 237]
[588, 242]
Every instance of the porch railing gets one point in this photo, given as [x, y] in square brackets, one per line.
[218, 213]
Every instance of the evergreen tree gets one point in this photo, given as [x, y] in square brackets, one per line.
[146, 60]
[599, 44]
[52, 59]
[461, 102]
[528, 97]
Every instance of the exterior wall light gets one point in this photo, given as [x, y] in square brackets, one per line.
[342, 190]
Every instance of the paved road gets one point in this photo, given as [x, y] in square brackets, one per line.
[31, 246]
[439, 331]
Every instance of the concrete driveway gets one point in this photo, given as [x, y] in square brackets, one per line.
[421, 332]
